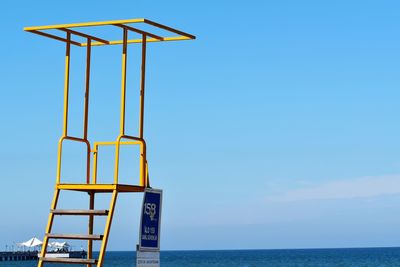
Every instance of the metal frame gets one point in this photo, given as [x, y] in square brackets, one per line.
[179, 35]
[91, 185]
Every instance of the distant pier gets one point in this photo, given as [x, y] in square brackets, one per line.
[18, 256]
[33, 255]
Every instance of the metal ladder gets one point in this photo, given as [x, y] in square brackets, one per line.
[90, 237]
[91, 189]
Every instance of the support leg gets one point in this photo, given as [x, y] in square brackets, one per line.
[91, 222]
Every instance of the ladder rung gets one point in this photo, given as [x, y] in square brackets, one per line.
[69, 260]
[75, 236]
[80, 212]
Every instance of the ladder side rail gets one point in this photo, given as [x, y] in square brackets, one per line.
[107, 228]
[48, 227]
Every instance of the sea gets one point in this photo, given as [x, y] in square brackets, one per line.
[354, 257]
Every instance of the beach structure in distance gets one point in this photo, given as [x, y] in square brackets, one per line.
[69, 35]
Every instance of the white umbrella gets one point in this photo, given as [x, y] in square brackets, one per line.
[33, 242]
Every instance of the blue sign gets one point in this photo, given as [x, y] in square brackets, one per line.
[151, 220]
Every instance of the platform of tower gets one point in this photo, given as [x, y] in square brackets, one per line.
[68, 34]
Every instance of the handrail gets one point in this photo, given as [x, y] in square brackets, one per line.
[95, 151]
[59, 158]
[142, 172]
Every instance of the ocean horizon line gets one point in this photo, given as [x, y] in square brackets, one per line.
[263, 249]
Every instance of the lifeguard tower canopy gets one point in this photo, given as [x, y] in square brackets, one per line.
[132, 25]
[98, 34]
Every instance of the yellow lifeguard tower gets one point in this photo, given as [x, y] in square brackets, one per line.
[90, 184]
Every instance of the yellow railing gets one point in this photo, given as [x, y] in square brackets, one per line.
[59, 156]
[143, 174]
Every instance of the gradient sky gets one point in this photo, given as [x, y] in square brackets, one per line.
[277, 128]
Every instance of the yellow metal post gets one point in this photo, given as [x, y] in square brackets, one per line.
[123, 81]
[123, 101]
[85, 137]
[86, 106]
[107, 228]
[65, 113]
[147, 175]
[143, 178]
[95, 157]
[66, 83]
[142, 172]
[142, 85]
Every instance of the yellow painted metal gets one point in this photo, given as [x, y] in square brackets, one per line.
[123, 102]
[95, 157]
[116, 164]
[92, 186]
[87, 187]
[90, 230]
[101, 188]
[90, 37]
[66, 83]
[87, 84]
[84, 24]
[181, 36]
[56, 38]
[115, 42]
[107, 228]
[140, 31]
[142, 169]
[142, 85]
[147, 175]
[59, 156]
[86, 109]
[65, 113]
[96, 153]
[123, 83]
[113, 143]
[49, 226]
[136, 41]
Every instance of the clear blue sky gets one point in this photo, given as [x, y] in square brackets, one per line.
[277, 128]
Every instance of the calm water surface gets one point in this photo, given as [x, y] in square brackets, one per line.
[371, 257]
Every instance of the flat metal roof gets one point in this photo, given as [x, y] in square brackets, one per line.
[128, 24]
